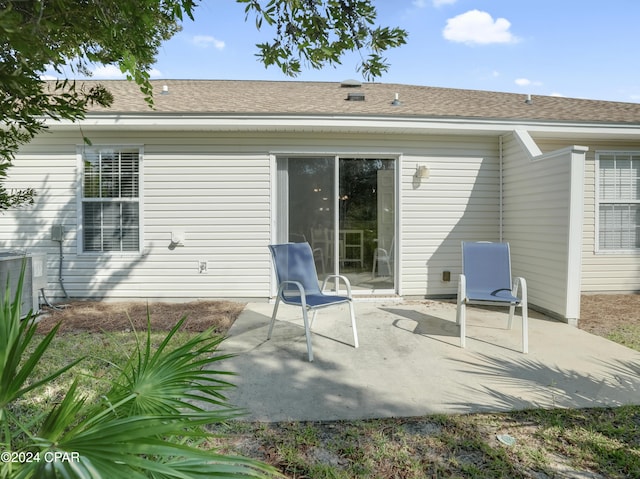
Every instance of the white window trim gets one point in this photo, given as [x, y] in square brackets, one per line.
[80, 150]
[596, 239]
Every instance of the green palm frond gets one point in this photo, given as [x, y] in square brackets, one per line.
[16, 334]
[173, 377]
[150, 424]
[130, 446]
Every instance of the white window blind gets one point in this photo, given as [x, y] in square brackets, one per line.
[619, 201]
[110, 200]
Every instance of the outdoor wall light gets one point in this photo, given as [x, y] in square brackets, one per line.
[177, 239]
[422, 172]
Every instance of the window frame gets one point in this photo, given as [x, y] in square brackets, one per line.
[81, 151]
[599, 202]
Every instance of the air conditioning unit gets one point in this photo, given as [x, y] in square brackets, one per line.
[35, 278]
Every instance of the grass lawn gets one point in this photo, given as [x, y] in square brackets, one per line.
[586, 443]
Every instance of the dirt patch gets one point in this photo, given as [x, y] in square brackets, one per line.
[603, 313]
[98, 316]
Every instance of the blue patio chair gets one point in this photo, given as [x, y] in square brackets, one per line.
[486, 280]
[298, 286]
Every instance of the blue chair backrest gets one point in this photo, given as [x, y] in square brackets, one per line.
[294, 262]
[487, 266]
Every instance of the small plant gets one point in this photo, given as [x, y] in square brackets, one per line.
[148, 424]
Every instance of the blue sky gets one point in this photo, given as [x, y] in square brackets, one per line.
[571, 48]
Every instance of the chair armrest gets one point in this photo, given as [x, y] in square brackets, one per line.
[520, 283]
[298, 285]
[346, 281]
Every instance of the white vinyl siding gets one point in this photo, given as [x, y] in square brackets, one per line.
[212, 188]
[539, 199]
[602, 272]
[618, 201]
[215, 190]
[458, 201]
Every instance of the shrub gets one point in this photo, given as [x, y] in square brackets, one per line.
[149, 423]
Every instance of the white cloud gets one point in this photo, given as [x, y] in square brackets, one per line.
[556, 94]
[476, 27]
[107, 72]
[527, 82]
[206, 41]
[438, 3]
[112, 72]
[96, 71]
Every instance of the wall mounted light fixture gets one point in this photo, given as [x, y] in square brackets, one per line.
[422, 172]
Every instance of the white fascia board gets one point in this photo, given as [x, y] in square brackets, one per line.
[535, 154]
[276, 122]
[324, 123]
[529, 145]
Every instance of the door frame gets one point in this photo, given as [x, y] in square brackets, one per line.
[278, 208]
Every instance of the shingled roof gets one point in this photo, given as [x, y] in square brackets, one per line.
[327, 98]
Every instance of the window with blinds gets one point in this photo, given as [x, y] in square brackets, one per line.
[618, 201]
[111, 200]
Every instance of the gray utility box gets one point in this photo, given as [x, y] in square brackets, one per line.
[35, 278]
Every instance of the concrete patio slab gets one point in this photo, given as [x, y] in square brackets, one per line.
[409, 363]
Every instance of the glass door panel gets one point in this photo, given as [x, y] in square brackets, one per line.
[310, 207]
[345, 209]
[366, 221]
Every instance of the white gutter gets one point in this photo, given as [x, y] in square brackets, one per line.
[409, 125]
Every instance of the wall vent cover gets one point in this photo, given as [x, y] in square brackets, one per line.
[355, 96]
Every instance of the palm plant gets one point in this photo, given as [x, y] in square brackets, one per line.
[148, 425]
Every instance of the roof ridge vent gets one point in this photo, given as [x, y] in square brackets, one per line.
[350, 84]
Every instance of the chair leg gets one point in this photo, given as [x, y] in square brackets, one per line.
[307, 333]
[375, 261]
[461, 320]
[273, 317]
[525, 329]
[353, 324]
[512, 312]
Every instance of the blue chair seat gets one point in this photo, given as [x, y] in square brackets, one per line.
[315, 300]
[498, 296]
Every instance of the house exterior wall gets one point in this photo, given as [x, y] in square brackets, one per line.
[540, 195]
[602, 272]
[217, 189]
[459, 201]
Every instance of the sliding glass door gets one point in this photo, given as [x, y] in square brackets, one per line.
[345, 208]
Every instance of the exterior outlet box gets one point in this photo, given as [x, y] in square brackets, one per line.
[203, 267]
[446, 276]
[57, 233]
